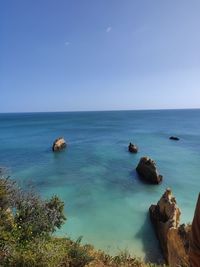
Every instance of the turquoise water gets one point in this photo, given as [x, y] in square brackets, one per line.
[105, 201]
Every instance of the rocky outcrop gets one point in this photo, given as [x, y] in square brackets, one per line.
[175, 138]
[132, 148]
[194, 253]
[147, 171]
[173, 238]
[59, 144]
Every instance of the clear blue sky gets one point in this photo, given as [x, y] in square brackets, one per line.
[60, 55]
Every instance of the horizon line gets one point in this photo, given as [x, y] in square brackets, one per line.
[109, 110]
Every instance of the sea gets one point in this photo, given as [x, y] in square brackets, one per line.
[105, 201]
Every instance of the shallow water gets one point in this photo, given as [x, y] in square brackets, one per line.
[105, 201]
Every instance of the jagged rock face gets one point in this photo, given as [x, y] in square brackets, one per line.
[132, 148]
[59, 144]
[173, 238]
[148, 171]
[194, 253]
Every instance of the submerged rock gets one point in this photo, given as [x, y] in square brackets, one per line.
[173, 238]
[175, 138]
[194, 254]
[132, 148]
[59, 144]
[147, 170]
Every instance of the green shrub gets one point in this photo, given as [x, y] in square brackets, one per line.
[77, 255]
[35, 217]
[26, 225]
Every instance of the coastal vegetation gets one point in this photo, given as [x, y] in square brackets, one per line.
[27, 224]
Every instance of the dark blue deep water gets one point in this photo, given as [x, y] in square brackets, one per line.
[105, 201]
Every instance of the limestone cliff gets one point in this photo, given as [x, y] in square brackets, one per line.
[195, 238]
[174, 238]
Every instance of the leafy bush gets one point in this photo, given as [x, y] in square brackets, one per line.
[35, 217]
[26, 220]
[77, 255]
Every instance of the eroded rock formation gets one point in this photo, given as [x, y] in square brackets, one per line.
[132, 148]
[173, 238]
[194, 253]
[147, 170]
[59, 144]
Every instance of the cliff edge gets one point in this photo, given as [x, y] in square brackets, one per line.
[173, 237]
[194, 253]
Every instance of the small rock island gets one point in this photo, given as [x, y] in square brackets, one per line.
[59, 144]
[174, 138]
[147, 171]
[132, 148]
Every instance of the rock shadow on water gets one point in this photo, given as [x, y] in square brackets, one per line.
[150, 244]
[139, 182]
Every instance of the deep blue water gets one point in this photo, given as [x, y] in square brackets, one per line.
[105, 201]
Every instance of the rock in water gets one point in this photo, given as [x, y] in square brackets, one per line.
[132, 148]
[175, 138]
[194, 254]
[59, 144]
[148, 171]
[174, 239]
